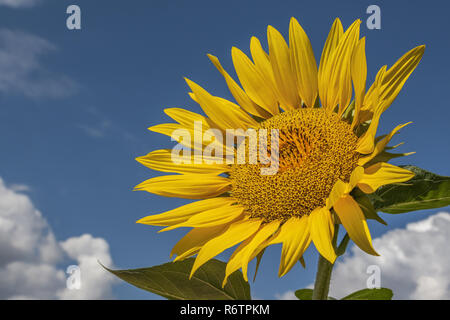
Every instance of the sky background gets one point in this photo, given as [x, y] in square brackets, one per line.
[75, 106]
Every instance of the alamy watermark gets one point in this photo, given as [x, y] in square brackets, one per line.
[374, 280]
[240, 146]
[73, 22]
[374, 20]
[73, 281]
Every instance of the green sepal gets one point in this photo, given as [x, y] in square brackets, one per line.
[366, 206]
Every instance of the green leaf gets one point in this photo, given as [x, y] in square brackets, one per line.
[371, 294]
[306, 294]
[171, 281]
[425, 191]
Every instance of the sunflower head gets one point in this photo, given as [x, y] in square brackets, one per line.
[316, 149]
[326, 146]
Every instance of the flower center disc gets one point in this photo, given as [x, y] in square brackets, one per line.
[316, 149]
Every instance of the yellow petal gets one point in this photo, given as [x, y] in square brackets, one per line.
[210, 218]
[359, 76]
[339, 90]
[241, 97]
[303, 63]
[263, 65]
[285, 81]
[249, 249]
[235, 261]
[324, 75]
[339, 189]
[334, 75]
[161, 160]
[236, 232]
[366, 143]
[187, 118]
[355, 177]
[354, 222]
[184, 117]
[192, 242]
[295, 236]
[342, 189]
[333, 39]
[188, 186]
[224, 113]
[254, 83]
[383, 173]
[322, 230]
[193, 97]
[397, 75]
[262, 62]
[183, 213]
[186, 135]
[167, 128]
[381, 145]
[372, 97]
[196, 135]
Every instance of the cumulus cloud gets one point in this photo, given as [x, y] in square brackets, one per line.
[96, 283]
[288, 295]
[19, 3]
[22, 70]
[414, 262]
[33, 263]
[19, 187]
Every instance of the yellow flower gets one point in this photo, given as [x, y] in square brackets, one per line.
[327, 148]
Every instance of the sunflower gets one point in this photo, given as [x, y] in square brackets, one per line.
[327, 150]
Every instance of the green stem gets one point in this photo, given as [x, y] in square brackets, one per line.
[323, 275]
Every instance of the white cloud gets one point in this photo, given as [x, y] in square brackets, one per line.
[414, 262]
[96, 282]
[19, 187]
[288, 295]
[19, 3]
[33, 262]
[21, 69]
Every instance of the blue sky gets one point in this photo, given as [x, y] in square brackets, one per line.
[75, 116]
